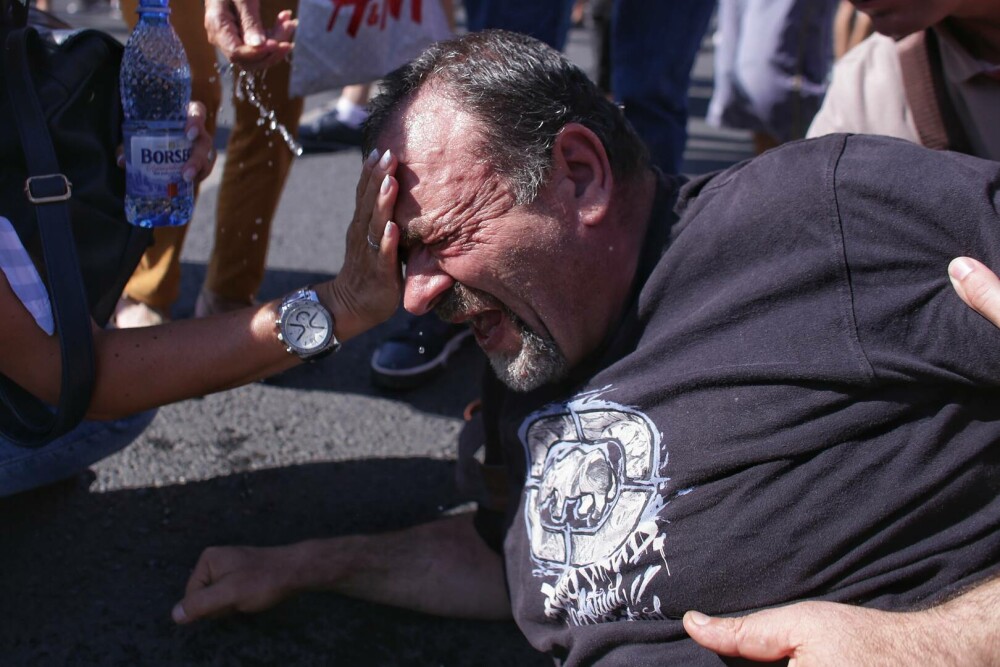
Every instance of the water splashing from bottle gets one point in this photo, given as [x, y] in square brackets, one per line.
[245, 85]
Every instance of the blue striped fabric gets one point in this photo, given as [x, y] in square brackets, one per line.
[24, 278]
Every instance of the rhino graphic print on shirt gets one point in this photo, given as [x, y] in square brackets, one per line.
[593, 494]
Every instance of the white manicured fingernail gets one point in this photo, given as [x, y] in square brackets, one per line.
[254, 39]
[192, 134]
[189, 175]
[178, 614]
[372, 157]
[386, 159]
[385, 184]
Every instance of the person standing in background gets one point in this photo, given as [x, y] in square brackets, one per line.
[653, 48]
[947, 93]
[772, 60]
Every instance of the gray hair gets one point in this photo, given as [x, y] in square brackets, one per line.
[524, 93]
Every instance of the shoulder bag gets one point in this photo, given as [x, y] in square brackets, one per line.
[61, 188]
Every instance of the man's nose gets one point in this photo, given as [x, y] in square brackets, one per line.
[425, 284]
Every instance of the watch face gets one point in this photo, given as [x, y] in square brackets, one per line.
[307, 327]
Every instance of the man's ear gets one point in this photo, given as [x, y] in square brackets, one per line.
[583, 172]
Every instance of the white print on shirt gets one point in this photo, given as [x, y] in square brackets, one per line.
[593, 496]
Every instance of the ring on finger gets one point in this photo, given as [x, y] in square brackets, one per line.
[372, 243]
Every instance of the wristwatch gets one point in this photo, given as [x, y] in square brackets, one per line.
[305, 326]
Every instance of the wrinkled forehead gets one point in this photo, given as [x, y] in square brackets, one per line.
[441, 171]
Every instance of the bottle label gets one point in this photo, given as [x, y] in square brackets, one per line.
[154, 163]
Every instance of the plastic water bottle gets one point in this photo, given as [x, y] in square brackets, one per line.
[155, 91]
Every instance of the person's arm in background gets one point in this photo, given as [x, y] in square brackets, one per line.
[963, 631]
[138, 369]
[442, 567]
[977, 286]
[236, 28]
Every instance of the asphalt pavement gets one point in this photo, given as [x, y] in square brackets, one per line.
[90, 568]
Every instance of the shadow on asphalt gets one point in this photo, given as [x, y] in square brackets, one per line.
[90, 578]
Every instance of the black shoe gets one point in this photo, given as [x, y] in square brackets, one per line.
[328, 134]
[410, 357]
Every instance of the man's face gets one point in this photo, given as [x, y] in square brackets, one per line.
[898, 18]
[473, 256]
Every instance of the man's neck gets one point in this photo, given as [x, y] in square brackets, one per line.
[633, 224]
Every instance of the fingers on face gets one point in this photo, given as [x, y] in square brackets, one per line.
[366, 172]
[384, 203]
[389, 246]
[377, 192]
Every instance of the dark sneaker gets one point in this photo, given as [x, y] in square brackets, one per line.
[328, 134]
[412, 356]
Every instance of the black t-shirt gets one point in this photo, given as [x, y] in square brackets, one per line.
[796, 405]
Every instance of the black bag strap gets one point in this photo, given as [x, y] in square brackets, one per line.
[48, 190]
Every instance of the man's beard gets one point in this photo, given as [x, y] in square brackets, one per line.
[539, 360]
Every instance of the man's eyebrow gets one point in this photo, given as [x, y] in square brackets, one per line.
[409, 238]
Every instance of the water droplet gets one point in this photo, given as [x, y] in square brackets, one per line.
[253, 237]
[422, 350]
[259, 221]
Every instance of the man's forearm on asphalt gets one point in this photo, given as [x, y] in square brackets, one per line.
[442, 567]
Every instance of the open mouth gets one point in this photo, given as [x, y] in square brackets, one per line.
[486, 326]
[491, 322]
